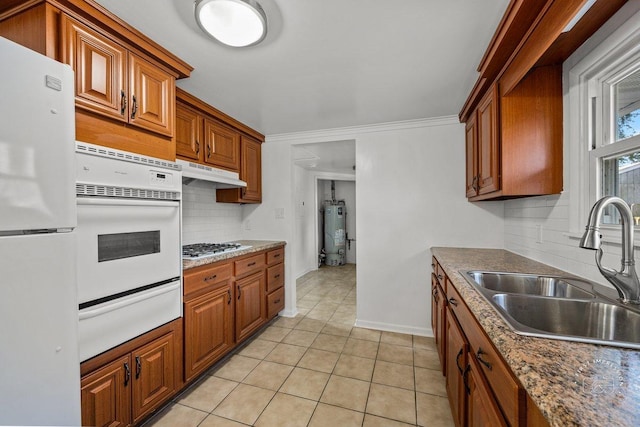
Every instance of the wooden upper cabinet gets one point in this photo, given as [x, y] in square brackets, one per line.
[251, 168]
[471, 149]
[188, 133]
[100, 66]
[222, 145]
[151, 96]
[488, 144]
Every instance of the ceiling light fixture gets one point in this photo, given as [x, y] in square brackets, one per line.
[236, 23]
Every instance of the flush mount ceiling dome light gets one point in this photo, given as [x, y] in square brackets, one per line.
[236, 23]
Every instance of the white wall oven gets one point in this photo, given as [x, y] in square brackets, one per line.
[129, 251]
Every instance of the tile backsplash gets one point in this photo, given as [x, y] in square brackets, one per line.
[205, 220]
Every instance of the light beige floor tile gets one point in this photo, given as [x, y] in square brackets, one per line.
[397, 339]
[327, 306]
[310, 325]
[392, 402]
[216, 421]
[268, 375]
[236, 368]
[361, 348]
[305, 383]
[427, 343]
[426, 358]
[430, 381]
[319, 360]
[306, 303]
[301, 338]
[395, 353]
[303, 311]
[286, 322]
[373, 421]
[258, 348]
[286, 354]
[393, 374]
[207, 394]
[285, 410]
[338, 329]
[320, 314]
[356, 367]
[178, 416]
[244, 404]
[346, 392]
[343, 318]
[365, 334]
[329, 343]
[274, 333]
[433, 411]
[328, 415]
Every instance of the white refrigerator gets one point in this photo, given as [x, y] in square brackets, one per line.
[39, 364]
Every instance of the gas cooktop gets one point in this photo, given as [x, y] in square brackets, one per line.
[203, 250]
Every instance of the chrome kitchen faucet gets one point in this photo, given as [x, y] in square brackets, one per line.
[626, 280]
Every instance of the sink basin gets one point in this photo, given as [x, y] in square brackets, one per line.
[529, 284]
[563, 308]
[596, 322]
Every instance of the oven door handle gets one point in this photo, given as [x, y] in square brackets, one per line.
[114, 201]
[89, 313]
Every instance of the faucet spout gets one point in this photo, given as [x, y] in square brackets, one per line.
[626, 280]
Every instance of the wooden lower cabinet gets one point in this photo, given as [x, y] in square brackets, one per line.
[438, 311]
[208, 325]
[251, 310]
[124, 385]
[482, 410]
[457, 350]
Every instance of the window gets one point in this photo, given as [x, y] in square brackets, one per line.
[614, 113]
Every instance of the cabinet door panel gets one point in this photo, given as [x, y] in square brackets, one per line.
[222, 146]
[208, 329]
[105, 395]
[100, 67]
[251, 310]
[471, 141]
[152, 96]
[482, 410]
[188, 133]
[154, 378]
[488, 144]
[251, 170]
[457, 349]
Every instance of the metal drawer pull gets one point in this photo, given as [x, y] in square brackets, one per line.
[484, 362]
[138, 367]
[127, 373]
[206, 279]
[251, 264]
[453, 302]
[276, 256]
[458, 360]
[276, 301]
[276, 276]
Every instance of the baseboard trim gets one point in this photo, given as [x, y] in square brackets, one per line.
[389, 327]
[288, 313]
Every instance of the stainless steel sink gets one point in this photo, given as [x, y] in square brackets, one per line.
[562, 308]
[529, 284]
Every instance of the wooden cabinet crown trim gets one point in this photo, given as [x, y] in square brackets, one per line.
[186, 98]
[89, 11]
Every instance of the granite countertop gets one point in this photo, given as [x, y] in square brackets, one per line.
[572, 383]
[256, 246]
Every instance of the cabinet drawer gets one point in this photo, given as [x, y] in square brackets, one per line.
[274, 256]
[275, 302]
[203, 278]
[509, 395]
[275, 277]
[248, 265]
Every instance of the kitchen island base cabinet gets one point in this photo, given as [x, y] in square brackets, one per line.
[126, 384]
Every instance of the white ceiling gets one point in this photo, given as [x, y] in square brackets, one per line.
[330, 63]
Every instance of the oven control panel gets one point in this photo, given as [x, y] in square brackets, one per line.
[160, 179]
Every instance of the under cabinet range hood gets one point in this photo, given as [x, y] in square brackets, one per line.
[222, 178]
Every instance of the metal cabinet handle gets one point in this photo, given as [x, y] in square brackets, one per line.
[276, 256]
[458, 360]
[206, 279]
[465, 375]
[251, 264]
[276, 301]
[228, 296]
[134, 107]
[208, 150]
[239, 293]
[123, 102]
[138, 367]
[276, 276]
[440, 277]
[453, 302]
[127, 373]
[197, 148]
[481, 360]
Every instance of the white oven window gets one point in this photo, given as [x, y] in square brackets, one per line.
[127, 245]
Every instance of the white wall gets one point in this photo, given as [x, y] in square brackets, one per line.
[204, 220]
[563, 217]
[305, 238]
[408, 199]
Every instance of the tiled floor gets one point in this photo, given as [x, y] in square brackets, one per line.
[318, 370]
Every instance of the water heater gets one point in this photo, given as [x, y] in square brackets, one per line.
[335, 213]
